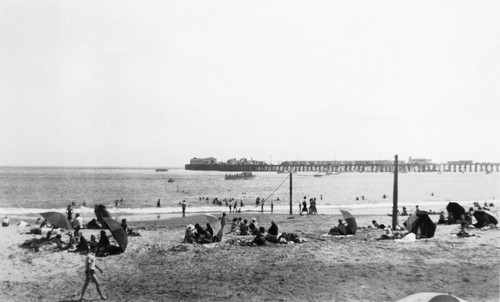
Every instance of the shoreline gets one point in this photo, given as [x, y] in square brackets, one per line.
[154, 213]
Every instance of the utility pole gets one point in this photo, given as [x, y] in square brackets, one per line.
[291, 193]
[395, 195]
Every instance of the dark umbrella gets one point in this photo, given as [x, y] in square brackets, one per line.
[426, 225]
[484, 218]
[57, 219]
[117, 231]
[352, 226]
[100, 212]
[456, 209]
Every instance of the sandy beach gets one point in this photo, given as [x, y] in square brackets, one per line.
[158, 267]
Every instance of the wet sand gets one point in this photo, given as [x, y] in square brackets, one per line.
[157, 267]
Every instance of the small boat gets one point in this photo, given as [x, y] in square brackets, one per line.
[326, 173]
[244, 175]
[171, 180]
[161, 170]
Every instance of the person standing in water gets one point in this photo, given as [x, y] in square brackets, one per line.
[158, 203]
[69, 211]
[90, 266]
[183, 205]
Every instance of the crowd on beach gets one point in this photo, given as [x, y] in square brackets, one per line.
[60, 239]
[244, 231]
[425, 227]
[51, 237]
[235, 205]
[239, 227]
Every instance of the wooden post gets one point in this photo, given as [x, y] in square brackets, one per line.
[291, 193]
[395, 195]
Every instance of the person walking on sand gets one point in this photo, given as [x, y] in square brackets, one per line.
[262, 206]
[90, 266]
[183, 205]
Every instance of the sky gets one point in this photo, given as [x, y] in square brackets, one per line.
[156, 83]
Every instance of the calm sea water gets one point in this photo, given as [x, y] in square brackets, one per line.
[32, 190]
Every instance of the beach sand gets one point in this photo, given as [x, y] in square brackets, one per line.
[157, 267]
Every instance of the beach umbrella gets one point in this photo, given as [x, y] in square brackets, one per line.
[100, 212]
[57, 219]
[352, 226]
[215, 222]
[117, 231]
[456, 209]
[430, 297]
[421, 224]
[212, 219]
[484, 218]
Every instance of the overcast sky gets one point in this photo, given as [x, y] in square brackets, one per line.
[155, 83]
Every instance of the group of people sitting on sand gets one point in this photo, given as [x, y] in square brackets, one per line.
[342, 228]
[53, 240]
[58, 239]
[271, 235]
[197, 234]
[240, 226]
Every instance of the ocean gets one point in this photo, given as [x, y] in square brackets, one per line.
[30, 190]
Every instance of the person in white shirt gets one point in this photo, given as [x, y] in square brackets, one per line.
[90, 266]
[77, 224]
[78, 221]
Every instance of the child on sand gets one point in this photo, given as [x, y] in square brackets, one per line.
[189, 236]
[260, 238]
[5, 222]
[90, 266]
